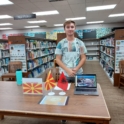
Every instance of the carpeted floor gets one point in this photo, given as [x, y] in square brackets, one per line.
[114, 98]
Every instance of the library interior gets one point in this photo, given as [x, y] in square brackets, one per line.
[62, 61]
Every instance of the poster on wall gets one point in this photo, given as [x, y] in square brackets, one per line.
[119, 54]
[18, 53]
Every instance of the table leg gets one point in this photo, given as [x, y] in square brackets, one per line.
[106, 122]
[1, 117]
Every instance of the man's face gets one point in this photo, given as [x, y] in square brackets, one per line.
[70, 29]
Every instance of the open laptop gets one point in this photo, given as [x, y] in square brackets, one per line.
[86, 84]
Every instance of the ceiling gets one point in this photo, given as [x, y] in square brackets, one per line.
[66, 8]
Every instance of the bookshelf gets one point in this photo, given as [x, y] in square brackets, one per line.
[92, 46]
[4, 56]
[36, 54]
[111, 52]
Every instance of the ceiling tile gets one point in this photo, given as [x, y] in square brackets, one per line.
[76, 1]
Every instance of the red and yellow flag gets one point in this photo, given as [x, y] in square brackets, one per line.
[32, 88]
[50, 82]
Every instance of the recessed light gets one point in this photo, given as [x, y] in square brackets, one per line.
[4, 24]
[94, 8]
[5, 2]
[5, 28]
[5, 16]
[32, 26]
[95, 22]
[40, 21]
[116, 15]
[46, 13]
[77, 18]
[58, 24]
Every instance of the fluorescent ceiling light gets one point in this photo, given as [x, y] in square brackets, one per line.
[5, 16]
[77, 18]
[46, 13]
[5, 2]
[32, 26]
[58, 24]
[116, 15]
[95, 22]
[40, 21]
[5, 28]
[4, 24]
[100, 7]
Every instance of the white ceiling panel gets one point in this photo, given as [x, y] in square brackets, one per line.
[43, 4]
[59, 3]
[111, 2]
[19, 1]
[89, 4]
[76, 1]
[89, 1]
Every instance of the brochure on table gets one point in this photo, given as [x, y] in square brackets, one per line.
[119, 54]
[18, 53]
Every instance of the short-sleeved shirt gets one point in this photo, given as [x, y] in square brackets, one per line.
[70, 51]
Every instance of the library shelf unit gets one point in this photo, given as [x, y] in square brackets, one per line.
[111, 52]
[92, 46]
[36, 54]
[4, 56]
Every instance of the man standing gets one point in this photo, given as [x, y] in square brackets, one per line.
[70, 52]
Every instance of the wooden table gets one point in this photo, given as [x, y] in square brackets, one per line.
[79, 107]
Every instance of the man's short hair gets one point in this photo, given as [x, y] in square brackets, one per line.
[68, 22]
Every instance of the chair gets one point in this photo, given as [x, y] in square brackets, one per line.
[54, 71]
[12, 67]
[121, 76]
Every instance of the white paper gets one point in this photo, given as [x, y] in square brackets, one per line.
[57, 88]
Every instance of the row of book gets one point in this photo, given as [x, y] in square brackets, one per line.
[33, 44]
[3, 70]
[39, 53]
[39, 70]
[4, 61]
[108, 60]
[4, 46]
[107, 42]
[107, 50]
[39, 61]
[107, 68]
[4, 54]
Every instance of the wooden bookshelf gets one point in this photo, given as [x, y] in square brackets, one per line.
[4, 56]
[38, 55]
[111, 52]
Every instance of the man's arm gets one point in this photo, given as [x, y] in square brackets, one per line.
[81, 63]
[60, 63]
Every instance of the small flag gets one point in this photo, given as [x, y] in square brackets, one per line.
[32, 88]
[50, 82]
[62, 83]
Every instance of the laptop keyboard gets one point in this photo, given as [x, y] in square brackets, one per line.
[89, 90]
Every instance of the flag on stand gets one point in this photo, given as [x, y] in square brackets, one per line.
[50, 82]
[62, 83]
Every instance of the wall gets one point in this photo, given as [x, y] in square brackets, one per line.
[110, 25]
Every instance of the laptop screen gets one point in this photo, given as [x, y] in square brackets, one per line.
[86, 80]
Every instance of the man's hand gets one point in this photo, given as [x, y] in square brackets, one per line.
[75, 70]
[70, 72]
